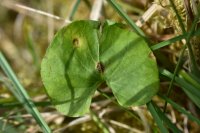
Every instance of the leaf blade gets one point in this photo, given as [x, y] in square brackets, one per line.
[69, 66]
[129, 66]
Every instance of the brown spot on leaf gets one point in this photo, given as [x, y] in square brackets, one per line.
[100, 68]
[99, 26]
[75, 42]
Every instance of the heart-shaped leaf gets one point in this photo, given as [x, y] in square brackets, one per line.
[85, 54]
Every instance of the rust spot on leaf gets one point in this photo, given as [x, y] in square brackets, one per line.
[100, 68]
[75, 42]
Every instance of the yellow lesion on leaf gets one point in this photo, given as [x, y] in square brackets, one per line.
[151, 55]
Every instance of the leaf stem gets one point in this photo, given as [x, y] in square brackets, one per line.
[125, 109]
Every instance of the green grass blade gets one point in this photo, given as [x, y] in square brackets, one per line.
[22, 95]
[166, 120]
[182, 110]
[194, 82]
[174, 75]
[167, 42]
[18, 104]
[126, 18]
[189, 79]
[194, 77]
[193, 64]
[156, 117]
[173, 40]
[73, 11]
[181, 82]
[178, 16]
[99, 122]
[8, 84]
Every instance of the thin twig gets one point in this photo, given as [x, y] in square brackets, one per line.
[122, 125]
[144, 120]
[74, 123]
[50, 21]
[30, 11]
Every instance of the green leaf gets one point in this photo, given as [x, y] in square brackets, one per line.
[68, 69]
[84, 54]
[129, 70]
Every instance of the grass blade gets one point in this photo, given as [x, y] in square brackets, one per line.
[174, 74]
[126, 18]
[18, 104]
[22, 95]
[166, 120]
[99, 122]
[156, 117]
[167, 42]
[181, 109]
[193, 64]
[178, 16]
[189, 79]
[173, 40]
[74, 9]
[181, 82]
[189, 89]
